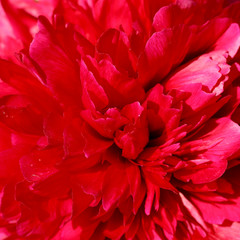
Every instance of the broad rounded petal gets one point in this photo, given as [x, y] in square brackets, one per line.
[19, 20]
[218, 212]
[53, 186]
[172, 15]
[219, 148]
[80, 138]
[225, 231]
[23, 120]
[38, 165]
[120, 89]
[225, 134]
[9, 44]
[203, 70]
[45, 7]
[25, 83]
[45, 51]
[68, 232]
[117, 45]
[118, 14]
[230, 40]
[115, 184]
[159, 49]
[93, 139]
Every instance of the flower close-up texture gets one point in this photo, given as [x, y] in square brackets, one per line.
[119, 120]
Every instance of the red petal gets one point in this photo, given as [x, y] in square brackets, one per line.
[134, 136]
[116, 44]
[40, 164]
[113, 14]
[20, 79]
[93, 94]
[115, 186]
[203, 70]
[53, 128]
[23, 120]
[20, 21]
[161, 115]
[216, 213]
[68, 232]
[120, 89]
[94, 143]
[230, 40]
[163, 47]
[9, 206]
[81, 200]
[105, 124]
[221, 139]
[56, 185]
[46, 52]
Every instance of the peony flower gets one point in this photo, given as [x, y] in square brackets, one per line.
[120, 119]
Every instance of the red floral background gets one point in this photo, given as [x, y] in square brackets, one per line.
[119, 119]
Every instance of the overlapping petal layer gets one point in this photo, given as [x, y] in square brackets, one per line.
[120, 119]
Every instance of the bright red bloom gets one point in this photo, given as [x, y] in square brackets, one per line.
[120, 119]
